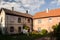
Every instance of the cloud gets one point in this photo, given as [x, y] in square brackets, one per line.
[8, 5]
[56, 2]
[33, 4]
[27, 4]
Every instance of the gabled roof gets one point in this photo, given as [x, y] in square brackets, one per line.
[16, 13]
[51, 13]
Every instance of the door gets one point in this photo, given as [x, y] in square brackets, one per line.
[19, 29]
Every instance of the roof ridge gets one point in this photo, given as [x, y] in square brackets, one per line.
[15, 12]
[49, 10]
[52, 12]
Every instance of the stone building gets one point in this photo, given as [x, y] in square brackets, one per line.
[46, 19]
[12, 22]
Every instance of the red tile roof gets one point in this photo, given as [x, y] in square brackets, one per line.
[55, 12]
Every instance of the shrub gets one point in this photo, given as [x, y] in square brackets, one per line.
[43, 32]
[35, 35]
[54, 26]
[25, 27]
[34, 32]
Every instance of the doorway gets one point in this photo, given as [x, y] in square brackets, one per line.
[19, 29]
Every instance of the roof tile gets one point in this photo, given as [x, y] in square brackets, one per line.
[55, 12]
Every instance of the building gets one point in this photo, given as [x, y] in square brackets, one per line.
[46, 19]
[12, 22]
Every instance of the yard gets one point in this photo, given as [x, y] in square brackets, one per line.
[30, 36]
[24, 37]
[15, 37]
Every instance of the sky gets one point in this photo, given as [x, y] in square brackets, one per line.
[33, 6]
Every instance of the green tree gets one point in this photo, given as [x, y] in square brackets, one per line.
[25, 27]
[56, 31]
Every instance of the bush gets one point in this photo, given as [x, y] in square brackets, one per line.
[35, 35]
[43, 32]
[54, 27]
[25, 27]
[34, 32]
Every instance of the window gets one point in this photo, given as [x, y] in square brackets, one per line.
[19, 29]
[28, 20]
[58, 19]
[19, 20]
[11, 29]
[39, 29]
[50, 19]
[25, 18]
[39, 21]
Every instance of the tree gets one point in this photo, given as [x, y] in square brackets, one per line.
[25, 27]
[56, 31]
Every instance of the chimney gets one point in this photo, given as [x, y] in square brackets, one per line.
[47, 10]
[26, 11]
[12, 8]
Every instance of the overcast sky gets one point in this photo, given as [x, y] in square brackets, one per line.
[32, 6]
